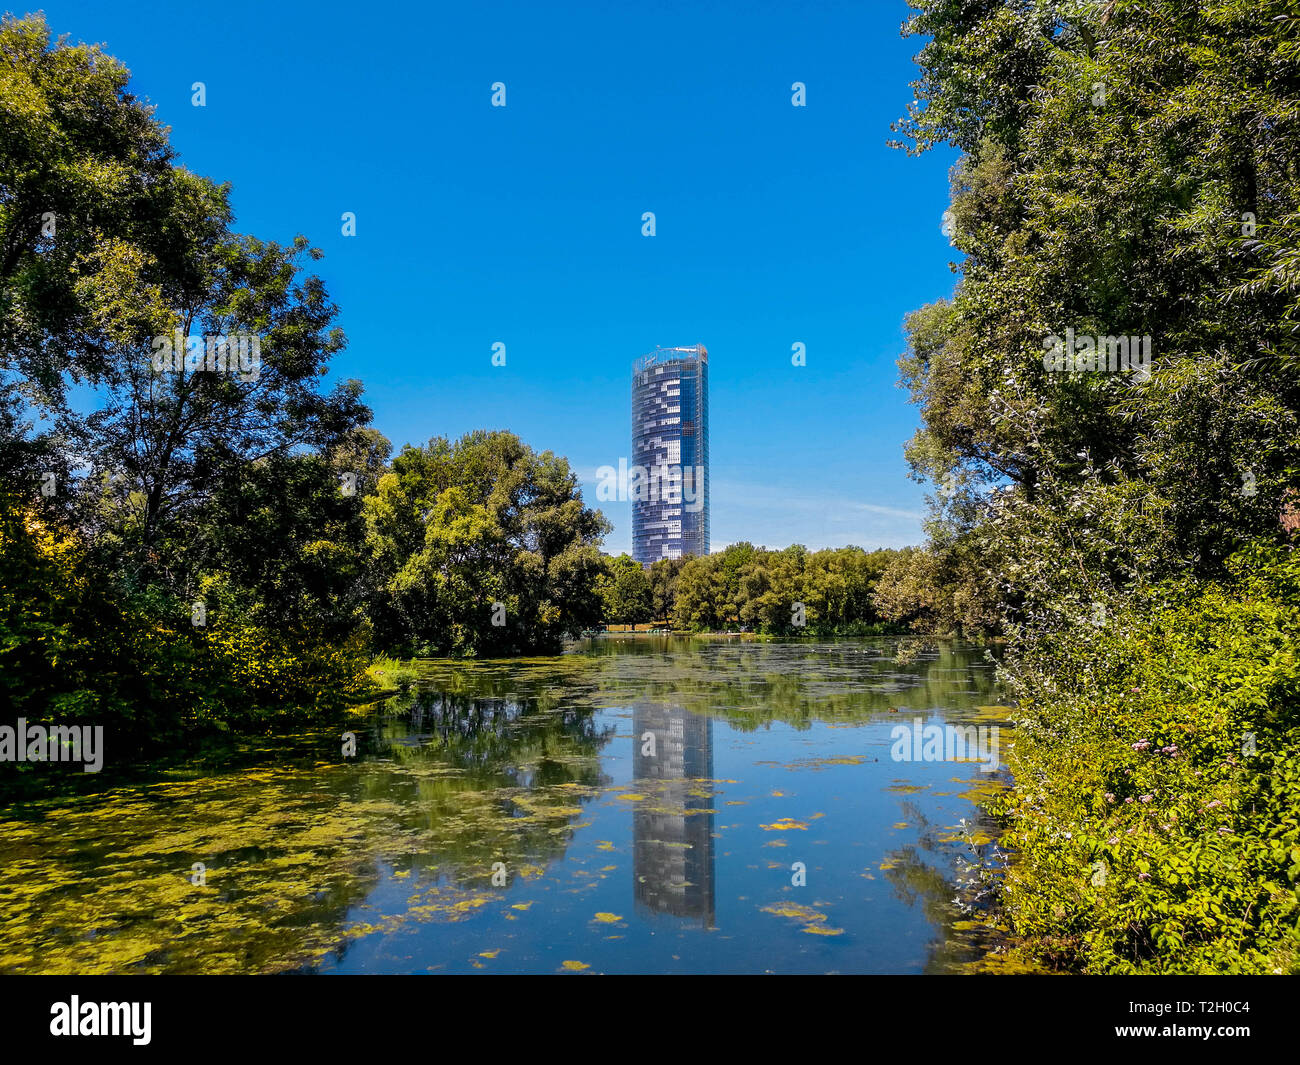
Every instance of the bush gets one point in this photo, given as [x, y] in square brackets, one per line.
[77, 649]
[1156, 812]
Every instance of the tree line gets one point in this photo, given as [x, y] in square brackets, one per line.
[1127, 169]
[788, 592]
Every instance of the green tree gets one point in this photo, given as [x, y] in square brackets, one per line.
[664, 573]
[625, 591]
[1070, 214]
[163, 438]
[185, 483]
[100, 231]
[482, 546]
[1128, 168]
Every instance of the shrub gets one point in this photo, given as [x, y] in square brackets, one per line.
[1156, 812]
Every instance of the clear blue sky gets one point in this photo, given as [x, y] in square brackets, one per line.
[478, 224]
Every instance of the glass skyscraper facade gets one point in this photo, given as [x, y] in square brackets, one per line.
[669, 476]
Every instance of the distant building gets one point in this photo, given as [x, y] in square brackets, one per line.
[669, 485]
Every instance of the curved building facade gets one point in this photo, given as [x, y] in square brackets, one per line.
[669, 477]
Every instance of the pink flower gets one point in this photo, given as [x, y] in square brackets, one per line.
[1146, 798]
[1144, 876]
[1113, 840]
[1110, 796]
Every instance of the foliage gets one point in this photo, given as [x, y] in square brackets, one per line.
[625, 592]
[76, 648]
[99, 229]
[1129, 168]
[1135, 172]
[770, 591]
[664, 574]
[943, 588]
[484, 530]
[1156, 819]
[183, 486]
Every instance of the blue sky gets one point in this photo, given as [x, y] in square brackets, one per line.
[522, 224]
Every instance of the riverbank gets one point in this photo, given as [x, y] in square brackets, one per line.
[1156, 819]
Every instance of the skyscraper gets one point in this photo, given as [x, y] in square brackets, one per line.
[669, 480]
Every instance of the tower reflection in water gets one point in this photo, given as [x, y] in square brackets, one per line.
[672, 828]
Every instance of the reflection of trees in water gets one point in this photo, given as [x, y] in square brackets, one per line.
[476, 778]
[483, 762]
[672, 831]
[499, 757]
[923, 873]
[492, 736]
[494, 767]
[482, 778]
[796, 682]
[544, 682]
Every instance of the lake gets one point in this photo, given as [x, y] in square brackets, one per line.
[637, 804]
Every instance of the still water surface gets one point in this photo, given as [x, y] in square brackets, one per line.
[634, 805]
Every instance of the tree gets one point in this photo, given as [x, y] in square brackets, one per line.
[791, 592]
[100, 231]
[1129, 169]
[1071, 216]
[625, 591]
[663, 585]
[177, 416]
[482, 547]
[207, 479]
